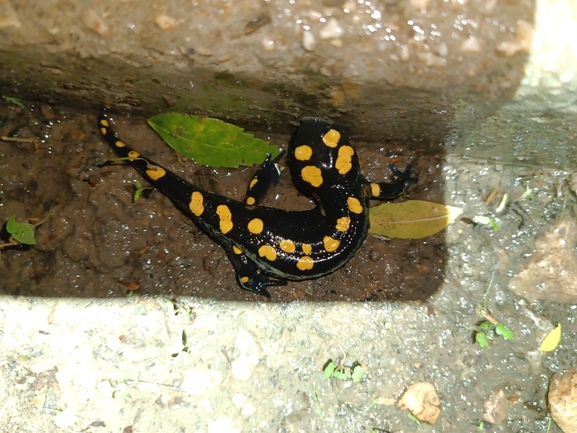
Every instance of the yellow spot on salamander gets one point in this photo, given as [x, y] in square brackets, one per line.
[354, 205]
[306, 248]
[255, 226]
[375, 189]
[331, 138]
[312, 175]
[303, 153]
[104, 122]
[133, 154]
[244, 280]
[305, 263]
[225, 218]
[119, 144]
[103, 131]
[155, 173]
[252, 183]
[343, 224]
[250, 201]
[195, 205]
[344, 160]
[331, 244]
[268, 252]
[236, 249]
[287, 246]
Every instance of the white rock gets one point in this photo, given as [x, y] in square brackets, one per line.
[199, 382]
[248, 358]
[563, 400]
[248, 409]
[65, 419]
[309, 42]
[331, 30]
[422, 400]
[222, 425]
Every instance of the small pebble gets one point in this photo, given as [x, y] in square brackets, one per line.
[165, 22]
[47, 112]
[331, 30]
[309, 42]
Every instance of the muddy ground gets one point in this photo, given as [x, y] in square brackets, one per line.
[99, 243]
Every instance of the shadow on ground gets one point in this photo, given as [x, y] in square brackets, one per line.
[99, 243]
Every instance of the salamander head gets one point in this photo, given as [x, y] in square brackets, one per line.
[320, 158]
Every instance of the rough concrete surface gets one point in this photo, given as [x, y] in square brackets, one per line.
[147, 364]
[402, 68]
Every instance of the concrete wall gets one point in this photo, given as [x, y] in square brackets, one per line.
[385, 69]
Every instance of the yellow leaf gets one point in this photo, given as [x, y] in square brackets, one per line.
[552, 340]
[412, 219]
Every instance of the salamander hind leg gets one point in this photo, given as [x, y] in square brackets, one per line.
[267, 175]
[248, 275]
[401, 180]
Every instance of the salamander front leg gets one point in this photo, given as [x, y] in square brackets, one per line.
[401, 180]
[267, 175]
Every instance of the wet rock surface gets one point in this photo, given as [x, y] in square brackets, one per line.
[396, 70]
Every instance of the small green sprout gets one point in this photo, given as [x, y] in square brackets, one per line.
[21, 233]
[342, 372]
[14, 101]
[490, 324]
[414, 419]
[378, 400]
[139, 189]
[486, 221]
[317, 403]
[527, 194]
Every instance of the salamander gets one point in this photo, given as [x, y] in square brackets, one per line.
[268, 246]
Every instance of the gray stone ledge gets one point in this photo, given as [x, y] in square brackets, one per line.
[386, 69]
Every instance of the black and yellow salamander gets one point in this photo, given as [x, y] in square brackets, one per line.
[268, 246]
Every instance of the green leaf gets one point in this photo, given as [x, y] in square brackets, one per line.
[552, 340]
[22, 232]
[329, 369]
[14, 101]
[413, 219]
[503, 331]
[358, 373]
[210, 141]
[481, 339]
[414, 419]
[486, 326]
[139, 190]
[486, 221]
